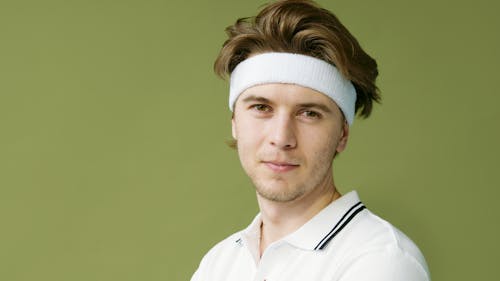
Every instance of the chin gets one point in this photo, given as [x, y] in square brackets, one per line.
[278, 191]
[282, 197]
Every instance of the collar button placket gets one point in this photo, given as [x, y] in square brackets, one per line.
[269, 262]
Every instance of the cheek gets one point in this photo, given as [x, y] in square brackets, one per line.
[247, 154]
[248, 143]
[321, 143]
[248, 130]
[246, 140]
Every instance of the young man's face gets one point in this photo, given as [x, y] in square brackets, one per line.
[287, 136]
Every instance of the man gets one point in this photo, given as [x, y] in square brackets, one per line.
[298, 77]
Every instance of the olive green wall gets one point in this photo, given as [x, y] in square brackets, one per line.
[113, 164]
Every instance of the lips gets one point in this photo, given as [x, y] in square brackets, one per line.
[280, 167]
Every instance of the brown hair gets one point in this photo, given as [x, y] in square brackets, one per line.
[301, 26]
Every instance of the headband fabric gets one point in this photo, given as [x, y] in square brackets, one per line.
[296, 69]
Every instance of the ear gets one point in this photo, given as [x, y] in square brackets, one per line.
[233, 128]
[344, 136]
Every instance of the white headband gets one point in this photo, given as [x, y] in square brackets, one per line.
[297, 69]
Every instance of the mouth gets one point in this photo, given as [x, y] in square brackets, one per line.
[280, 167]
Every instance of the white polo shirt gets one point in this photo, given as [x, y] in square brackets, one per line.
[344, 242]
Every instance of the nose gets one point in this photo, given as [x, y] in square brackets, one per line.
[282, 133]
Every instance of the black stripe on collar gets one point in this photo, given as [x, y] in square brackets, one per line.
[346, 218]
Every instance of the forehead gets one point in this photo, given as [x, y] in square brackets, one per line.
[286, 94]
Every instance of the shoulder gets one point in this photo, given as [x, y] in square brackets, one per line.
[377, 250]
[223, 247]
[220, 255]
[389, 264]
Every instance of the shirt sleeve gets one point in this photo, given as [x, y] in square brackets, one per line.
[196, 276]
[386, 265]
[205, 264]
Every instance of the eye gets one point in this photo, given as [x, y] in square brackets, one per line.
[261, 107]
[310, 114]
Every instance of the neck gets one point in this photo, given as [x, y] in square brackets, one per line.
[282, 218]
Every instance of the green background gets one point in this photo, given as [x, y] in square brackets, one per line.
[113, 163]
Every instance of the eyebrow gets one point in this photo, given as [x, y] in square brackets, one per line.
[256, 98]
[316, 105]
[320, 106]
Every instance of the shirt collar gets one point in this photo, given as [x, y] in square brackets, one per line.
[250, 237]
[322, 228]
[314, 234]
